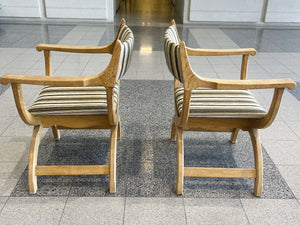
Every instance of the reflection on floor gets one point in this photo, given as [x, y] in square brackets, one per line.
[278, 56]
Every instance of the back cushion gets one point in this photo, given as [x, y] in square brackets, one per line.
[172, 54]
[127, 39]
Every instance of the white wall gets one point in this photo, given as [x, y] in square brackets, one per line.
[19, 8]
[225, 10]
[283, 11]
[85, 9]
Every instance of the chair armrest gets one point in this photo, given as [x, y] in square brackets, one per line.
[76, 49]
[255, 84]
[220, 52]
[195, 81]
[48, 80]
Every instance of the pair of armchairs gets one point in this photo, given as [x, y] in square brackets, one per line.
[92, 102]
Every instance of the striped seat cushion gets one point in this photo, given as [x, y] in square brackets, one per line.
[220, 104]
[72, 101]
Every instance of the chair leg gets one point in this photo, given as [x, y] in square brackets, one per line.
[234, 135]
[173, 131]
[112, 160]
[55, 132]
[33, 155]
[258, 161]
[119, 128]
[180, 161]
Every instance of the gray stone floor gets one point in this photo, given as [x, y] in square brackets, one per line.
[278, 56]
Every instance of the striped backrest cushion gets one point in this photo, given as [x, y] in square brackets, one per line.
[127, 39]
[172, 54]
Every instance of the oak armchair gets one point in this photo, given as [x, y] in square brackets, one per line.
[86, 102]
[204, 104]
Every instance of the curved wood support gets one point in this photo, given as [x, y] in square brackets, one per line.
[113, 120]
[258, 161]
[234, 135]
[56, 133]
[119, 127]
[173, 129]
[112, 160]
[185, 108]
[180, 161]
[47, 58]
[23, 112]
[244, 67]
[273, 110]
[33, 155]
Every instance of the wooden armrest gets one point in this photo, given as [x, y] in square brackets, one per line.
[46, 80]
[255, 84]
[76, 49]
[196, 81]
[220, 52]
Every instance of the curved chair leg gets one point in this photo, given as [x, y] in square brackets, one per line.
[33, 155]
[234, 135]
[173, 130]
[180, 161]
[55, 132]
[119, 128]
[258, 161]
[112, 160]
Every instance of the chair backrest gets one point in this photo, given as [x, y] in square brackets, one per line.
[127, 39]
[172, 52]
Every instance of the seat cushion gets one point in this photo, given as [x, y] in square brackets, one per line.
[221, 104]
[72, 101]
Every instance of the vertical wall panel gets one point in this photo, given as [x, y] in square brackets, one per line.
[85, 9]
[19, 8]
[283, 11]
[226, 10]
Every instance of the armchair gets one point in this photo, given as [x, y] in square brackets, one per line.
[204, 104]
[87, 102]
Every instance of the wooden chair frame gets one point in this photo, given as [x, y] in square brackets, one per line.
[183, 122]
[111, 121]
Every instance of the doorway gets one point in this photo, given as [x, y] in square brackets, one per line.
[146, 12]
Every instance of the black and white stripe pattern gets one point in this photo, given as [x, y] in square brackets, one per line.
[127, 39]
[72, 101]
[221, 104]
[172, 54]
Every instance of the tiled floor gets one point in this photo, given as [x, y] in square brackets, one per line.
[278, 56]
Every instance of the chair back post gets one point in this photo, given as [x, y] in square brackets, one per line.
[188, 76]
[174, 23]
[109, 76]
[112, 45]
[185, 71]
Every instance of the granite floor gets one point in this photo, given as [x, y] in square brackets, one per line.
[278, 56]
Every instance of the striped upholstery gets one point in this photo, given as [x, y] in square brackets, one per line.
[127, 39]
[72, 101]
[172, 54]
[221, 104]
